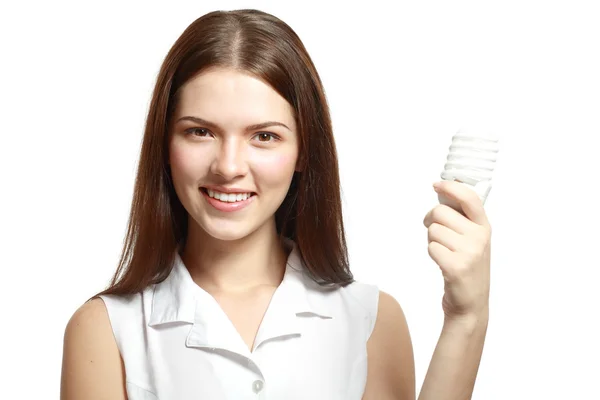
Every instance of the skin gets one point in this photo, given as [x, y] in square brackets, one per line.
[243, 263]
[234, 256]
[233, 252]
[459, 242]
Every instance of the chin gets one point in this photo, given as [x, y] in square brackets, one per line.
[227, 236]
[227, 231]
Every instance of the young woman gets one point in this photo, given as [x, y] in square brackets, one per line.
[234, 280]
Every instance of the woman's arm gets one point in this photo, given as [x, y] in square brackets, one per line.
[454, 365]
[390, 361]
[92, 368]
[460, 244]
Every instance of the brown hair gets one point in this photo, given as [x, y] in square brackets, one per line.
[262, 45]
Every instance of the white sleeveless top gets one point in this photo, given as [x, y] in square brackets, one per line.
[178, 344]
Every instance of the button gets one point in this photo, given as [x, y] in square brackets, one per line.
[257, 386]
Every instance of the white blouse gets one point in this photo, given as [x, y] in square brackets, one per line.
[178, 344]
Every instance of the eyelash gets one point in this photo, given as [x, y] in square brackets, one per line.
[190, 131]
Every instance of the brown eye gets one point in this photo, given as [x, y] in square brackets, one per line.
[265, 137]
[198, 132]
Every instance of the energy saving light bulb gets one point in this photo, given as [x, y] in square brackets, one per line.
[471, 161]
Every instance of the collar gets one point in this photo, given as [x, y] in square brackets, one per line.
[179, 299]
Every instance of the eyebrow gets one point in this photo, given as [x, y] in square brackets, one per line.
[212, 125]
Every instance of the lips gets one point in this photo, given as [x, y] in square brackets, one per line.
[227, 197]
[226, 205]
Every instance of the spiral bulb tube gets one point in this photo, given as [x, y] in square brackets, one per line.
[471, 161]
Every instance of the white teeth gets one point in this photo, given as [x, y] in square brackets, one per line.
[228, 198]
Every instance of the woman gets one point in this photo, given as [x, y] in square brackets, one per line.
[234, 280]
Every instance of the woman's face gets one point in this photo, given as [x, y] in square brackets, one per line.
[233, 150]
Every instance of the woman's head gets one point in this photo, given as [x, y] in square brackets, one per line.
[233, 151]
[236, 69]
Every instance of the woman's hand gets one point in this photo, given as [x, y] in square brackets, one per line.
[460, 245]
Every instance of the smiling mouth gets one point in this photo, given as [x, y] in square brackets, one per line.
[227, 197]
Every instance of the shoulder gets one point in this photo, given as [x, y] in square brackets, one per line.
[366, 297]
[90, 323]
[362, 291]
[92, 366]
[127, 313]
[391, 371]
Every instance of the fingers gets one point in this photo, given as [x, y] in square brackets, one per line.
[448, 217]
[467, 198]
[444, 236]
[440, 254]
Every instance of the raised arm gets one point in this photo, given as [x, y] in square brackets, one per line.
[453, 367]
[460, 244]
[92, 368]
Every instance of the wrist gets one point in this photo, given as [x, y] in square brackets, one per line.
[467, 322]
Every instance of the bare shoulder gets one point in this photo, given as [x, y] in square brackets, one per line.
[92, 367]
[391, 368]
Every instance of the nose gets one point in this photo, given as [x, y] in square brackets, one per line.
[230, 160]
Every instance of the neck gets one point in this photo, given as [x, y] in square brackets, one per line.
[255, 261]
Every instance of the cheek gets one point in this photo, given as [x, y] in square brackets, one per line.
[274, 169]
[186, 162]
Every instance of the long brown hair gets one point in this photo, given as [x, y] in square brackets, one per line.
[262, 45]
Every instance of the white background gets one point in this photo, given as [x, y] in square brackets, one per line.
[76, 79]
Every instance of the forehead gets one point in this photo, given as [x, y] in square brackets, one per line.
[231, 95]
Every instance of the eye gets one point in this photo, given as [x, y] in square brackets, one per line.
[266, 137]
[198, 132]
